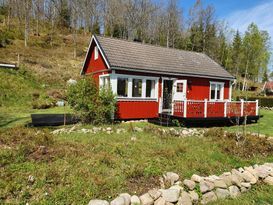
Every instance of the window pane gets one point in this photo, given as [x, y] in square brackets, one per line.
[137, 87]
[218, 97]
[150, 88]
[179, 88]
[212, 92]
[122, 87]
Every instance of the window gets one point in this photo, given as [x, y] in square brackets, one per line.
[179, 88]
[122, 89]
[137, 88]
[105, 81]
[96, 55]
[216, 91]
[150, 88]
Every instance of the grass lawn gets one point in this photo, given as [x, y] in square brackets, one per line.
[264, 125]
[78, 167]
[13, 116]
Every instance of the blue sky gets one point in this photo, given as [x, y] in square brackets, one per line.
[240, 13]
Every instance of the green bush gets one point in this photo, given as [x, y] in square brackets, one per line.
[91, 104]
[263, 101]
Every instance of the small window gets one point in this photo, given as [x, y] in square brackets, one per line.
[96, 53]
[105, 82]
[216, 91]
[137, 87]
[150, 88]
[122, 87]
[179, 88]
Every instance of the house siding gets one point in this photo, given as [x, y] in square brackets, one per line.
[95, 67]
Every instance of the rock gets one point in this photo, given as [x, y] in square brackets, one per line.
[98, 202]
[118, 201]
[262, 171]
[246, 185]
[146, 199]
[206, 186]
[154, 193]
[108, 129]
[160, 201]
[127, 198]
[234, 191]
[171, 177]
[243, 189]
[170, 195]
[196, 178]
[208, 197]
[227, 179]
[194, 196]
[248, 177]
[241, 170]
[252, 171]
[237, 174]
[185, 132]
[269, 180]
[185, 199]
[189, 184]
[133, 139]
[31, 179]
[222, 193]
[220, 184]
[236, 180]
[135, 200]
[177, 187]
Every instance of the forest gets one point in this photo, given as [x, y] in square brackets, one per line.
[245, 55]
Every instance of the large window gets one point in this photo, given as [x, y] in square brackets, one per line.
[150, 88]
[122, 87]
[216, 91]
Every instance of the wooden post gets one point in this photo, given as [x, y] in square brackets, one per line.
[257, 107]
[225, 109]
[205, 108]
[185, 108]
[242, 107]
[18, 60]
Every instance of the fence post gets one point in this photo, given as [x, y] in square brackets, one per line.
[257, 107]
[225, 108]
[185, 108]
[205, 108]
[242, 107]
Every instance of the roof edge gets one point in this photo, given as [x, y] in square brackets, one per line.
[173, 73]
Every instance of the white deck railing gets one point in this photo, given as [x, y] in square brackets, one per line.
[206, 109]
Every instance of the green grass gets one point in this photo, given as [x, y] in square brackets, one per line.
[79, 167]
[264, 125]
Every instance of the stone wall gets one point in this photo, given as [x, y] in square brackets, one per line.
[198, 189]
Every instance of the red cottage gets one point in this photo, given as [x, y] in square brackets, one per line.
[150, 81]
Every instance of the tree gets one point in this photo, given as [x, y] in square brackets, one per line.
[256, 53]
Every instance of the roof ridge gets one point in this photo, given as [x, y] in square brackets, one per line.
[148, 44]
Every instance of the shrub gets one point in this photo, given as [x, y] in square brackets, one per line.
[90, 104]
[263, 101]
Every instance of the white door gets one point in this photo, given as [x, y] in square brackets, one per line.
[179, 90]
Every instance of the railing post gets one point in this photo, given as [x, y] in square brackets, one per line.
[205, 108]
[225, 108]
[242, 107]
[257, 107]
[185, 108]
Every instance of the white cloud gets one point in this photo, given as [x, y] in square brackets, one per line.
[262, 15]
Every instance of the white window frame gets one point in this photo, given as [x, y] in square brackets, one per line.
[96, 54]
[101, 80]
[114, 79]
[222, 84]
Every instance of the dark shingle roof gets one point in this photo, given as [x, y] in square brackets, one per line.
[138, 56]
